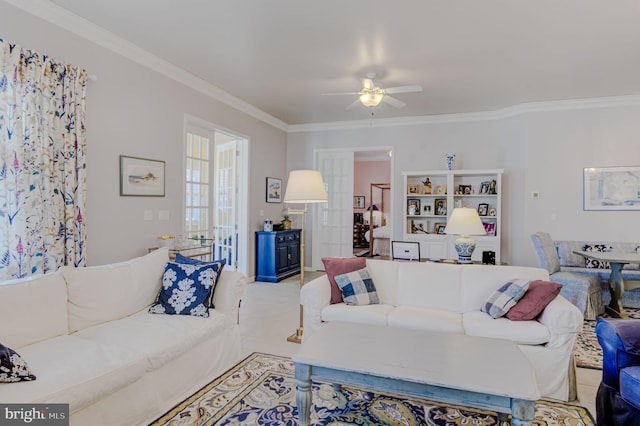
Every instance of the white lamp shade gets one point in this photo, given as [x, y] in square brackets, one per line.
[305, 186]
[464, 221]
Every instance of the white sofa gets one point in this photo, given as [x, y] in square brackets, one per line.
[447, 298]
[87, 336]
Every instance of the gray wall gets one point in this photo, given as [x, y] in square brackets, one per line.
[539, 150]
[136, 111]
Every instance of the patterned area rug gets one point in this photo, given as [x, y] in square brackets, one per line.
[588, 352]
[261, 390]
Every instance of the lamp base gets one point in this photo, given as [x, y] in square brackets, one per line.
[296, 337]
[464, 247]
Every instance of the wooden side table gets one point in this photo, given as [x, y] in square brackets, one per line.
[359, 240]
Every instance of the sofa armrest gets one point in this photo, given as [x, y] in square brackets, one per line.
[314, 297]
[227, 294]
[563, 320]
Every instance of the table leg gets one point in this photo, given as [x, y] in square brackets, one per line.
[303, 394]
[522, 412]
[616, 288]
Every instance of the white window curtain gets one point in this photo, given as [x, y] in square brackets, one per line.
[42, 163]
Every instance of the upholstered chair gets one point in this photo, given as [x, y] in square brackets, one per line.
[618, 398]
[583, 290]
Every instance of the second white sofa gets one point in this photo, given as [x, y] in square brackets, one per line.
[447, 298]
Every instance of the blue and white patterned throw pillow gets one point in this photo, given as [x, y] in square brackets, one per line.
[13, 368]
[504, 298]
[594, 263]
[217, 265]
[357, 288]
[185, 290]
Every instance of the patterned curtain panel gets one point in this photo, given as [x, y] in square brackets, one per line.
[42, 163]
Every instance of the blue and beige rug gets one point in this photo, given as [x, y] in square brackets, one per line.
[588, 352]
[261, 390]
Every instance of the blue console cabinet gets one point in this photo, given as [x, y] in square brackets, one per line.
[277, 255]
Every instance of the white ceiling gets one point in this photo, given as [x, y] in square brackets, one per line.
[281, 55]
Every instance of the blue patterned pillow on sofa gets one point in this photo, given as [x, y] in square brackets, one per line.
[594, 263]
[13, 368]
[186, 290]
[504, 298]
[217, 265]
[357, 288]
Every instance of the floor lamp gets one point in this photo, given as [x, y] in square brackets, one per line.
[303, 186]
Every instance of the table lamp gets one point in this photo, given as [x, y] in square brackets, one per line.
[464, 221]
[303, 186]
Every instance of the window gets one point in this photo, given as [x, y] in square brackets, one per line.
[197, 186]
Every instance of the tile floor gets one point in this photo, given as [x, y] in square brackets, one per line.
[270, 313]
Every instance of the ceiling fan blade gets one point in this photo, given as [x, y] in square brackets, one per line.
[403, 89]
[393, 101]
[353, 105]
[340, 93]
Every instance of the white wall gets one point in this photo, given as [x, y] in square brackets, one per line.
[135, 111]
[539, 151]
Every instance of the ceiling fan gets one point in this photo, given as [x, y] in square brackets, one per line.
[371, 95]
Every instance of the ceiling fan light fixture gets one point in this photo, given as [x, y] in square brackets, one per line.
[371, 99]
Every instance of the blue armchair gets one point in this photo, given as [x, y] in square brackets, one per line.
[618, 398]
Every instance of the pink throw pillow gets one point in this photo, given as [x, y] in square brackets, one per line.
[338, 266]
[537, 297]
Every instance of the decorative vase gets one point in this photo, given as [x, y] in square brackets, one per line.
[286, 223]
[451, 160]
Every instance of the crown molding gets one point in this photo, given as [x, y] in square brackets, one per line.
[61, 17]
[500, 114]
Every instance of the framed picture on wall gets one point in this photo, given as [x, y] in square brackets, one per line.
[274, 190]
[141, 177]
[611, 188]
[358, 202]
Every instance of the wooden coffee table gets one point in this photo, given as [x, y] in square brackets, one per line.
[484, 373]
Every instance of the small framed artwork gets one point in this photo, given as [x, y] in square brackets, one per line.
[413, 188]
[464, 189]
[274, 190]
[141, 177]
[484, 187]
[405, 250]
[426, 209]
[483, 209]
[440, 206]
[438, 228]
[358, 202]
[441, 189]
[413, 206]
[492, 211]
[490, 228]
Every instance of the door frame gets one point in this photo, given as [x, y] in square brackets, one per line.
[392, 181]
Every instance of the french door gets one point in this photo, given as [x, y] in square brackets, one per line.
[333, 220]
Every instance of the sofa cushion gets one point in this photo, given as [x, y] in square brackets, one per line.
[217, 265]
[357, 288]
[157, 338]
[340, 265]
[504, 298]
[418, 318]
[630, 385]
[538, 296]
[104, 293]
[366, 314]
[26, 302]
[479, 281]
[75, 371]
[13, 368]
[430, 285]
[385, 275]
[186, 290]
[521, 332]
[594, 263]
